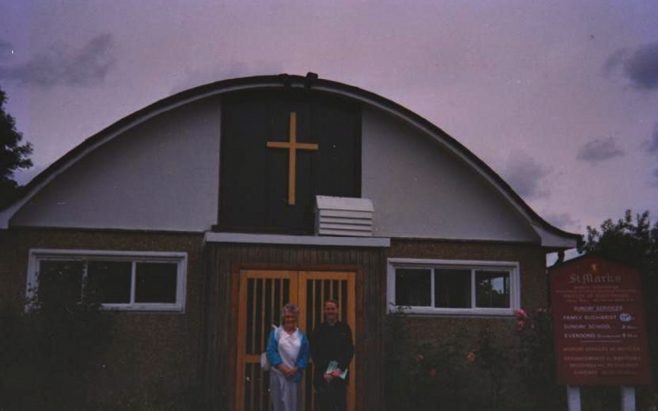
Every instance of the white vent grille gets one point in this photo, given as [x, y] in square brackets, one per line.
[341, 216]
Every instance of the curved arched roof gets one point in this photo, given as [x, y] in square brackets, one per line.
[551, 236]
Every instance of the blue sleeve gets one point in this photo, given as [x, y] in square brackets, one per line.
[273, 349]
[302, 358]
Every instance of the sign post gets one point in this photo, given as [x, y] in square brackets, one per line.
[627, 398]
[599, 327]
[573, 398]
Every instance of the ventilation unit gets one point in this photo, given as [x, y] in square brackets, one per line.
[342, 216]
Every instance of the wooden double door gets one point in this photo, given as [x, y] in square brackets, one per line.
[262, 293]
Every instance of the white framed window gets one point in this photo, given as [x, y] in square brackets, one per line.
[123, 280]
[453, 287]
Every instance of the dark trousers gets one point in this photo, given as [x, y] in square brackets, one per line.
[332, 396]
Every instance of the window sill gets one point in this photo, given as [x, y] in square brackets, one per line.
[467, 312]
[147, 308]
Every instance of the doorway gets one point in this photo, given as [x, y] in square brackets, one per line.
[262, 293]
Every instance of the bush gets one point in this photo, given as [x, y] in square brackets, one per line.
[50, 354]
[446, 375]
[536, 359]
[486, 370]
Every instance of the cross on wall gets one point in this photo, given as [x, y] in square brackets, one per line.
[292, 146]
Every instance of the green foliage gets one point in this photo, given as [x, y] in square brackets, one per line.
[495, 361]
[463, 371]
[632, 241]
[49, 356]
[536, 356]
[629, 240]
[13, 154]
[485, 368]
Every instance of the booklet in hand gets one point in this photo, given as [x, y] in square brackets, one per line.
[334, 365]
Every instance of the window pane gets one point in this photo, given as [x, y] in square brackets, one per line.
[452, 288]
[110, 280]
[492, 289]
[413, 287]
[60, 280]
[156, 283]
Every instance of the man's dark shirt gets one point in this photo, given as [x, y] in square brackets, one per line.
[331, 343]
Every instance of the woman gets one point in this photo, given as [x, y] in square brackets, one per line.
[287, 352]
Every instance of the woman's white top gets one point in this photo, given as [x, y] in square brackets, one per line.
[289, 346]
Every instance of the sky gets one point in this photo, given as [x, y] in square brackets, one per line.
[559, 97]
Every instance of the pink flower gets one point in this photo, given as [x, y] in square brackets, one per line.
[471, 357]
[419, 358]
[521, 314]
[521, 318]
[433, 372]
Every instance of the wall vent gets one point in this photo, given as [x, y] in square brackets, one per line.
[342, 216]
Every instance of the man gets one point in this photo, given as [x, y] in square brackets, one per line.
[331, 341]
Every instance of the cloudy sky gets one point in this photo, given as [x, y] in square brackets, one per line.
[559, 97]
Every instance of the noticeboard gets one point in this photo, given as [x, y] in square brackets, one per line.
[599, 323]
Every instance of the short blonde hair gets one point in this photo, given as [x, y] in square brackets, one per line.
[290, 309]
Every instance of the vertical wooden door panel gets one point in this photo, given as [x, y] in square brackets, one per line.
[261, 296]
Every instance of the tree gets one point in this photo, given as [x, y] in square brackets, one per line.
[629, 241]
[13, 154]
[632, 241]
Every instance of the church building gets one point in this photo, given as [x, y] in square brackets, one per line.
[202, 214]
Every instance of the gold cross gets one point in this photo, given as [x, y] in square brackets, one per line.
[292, 146]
